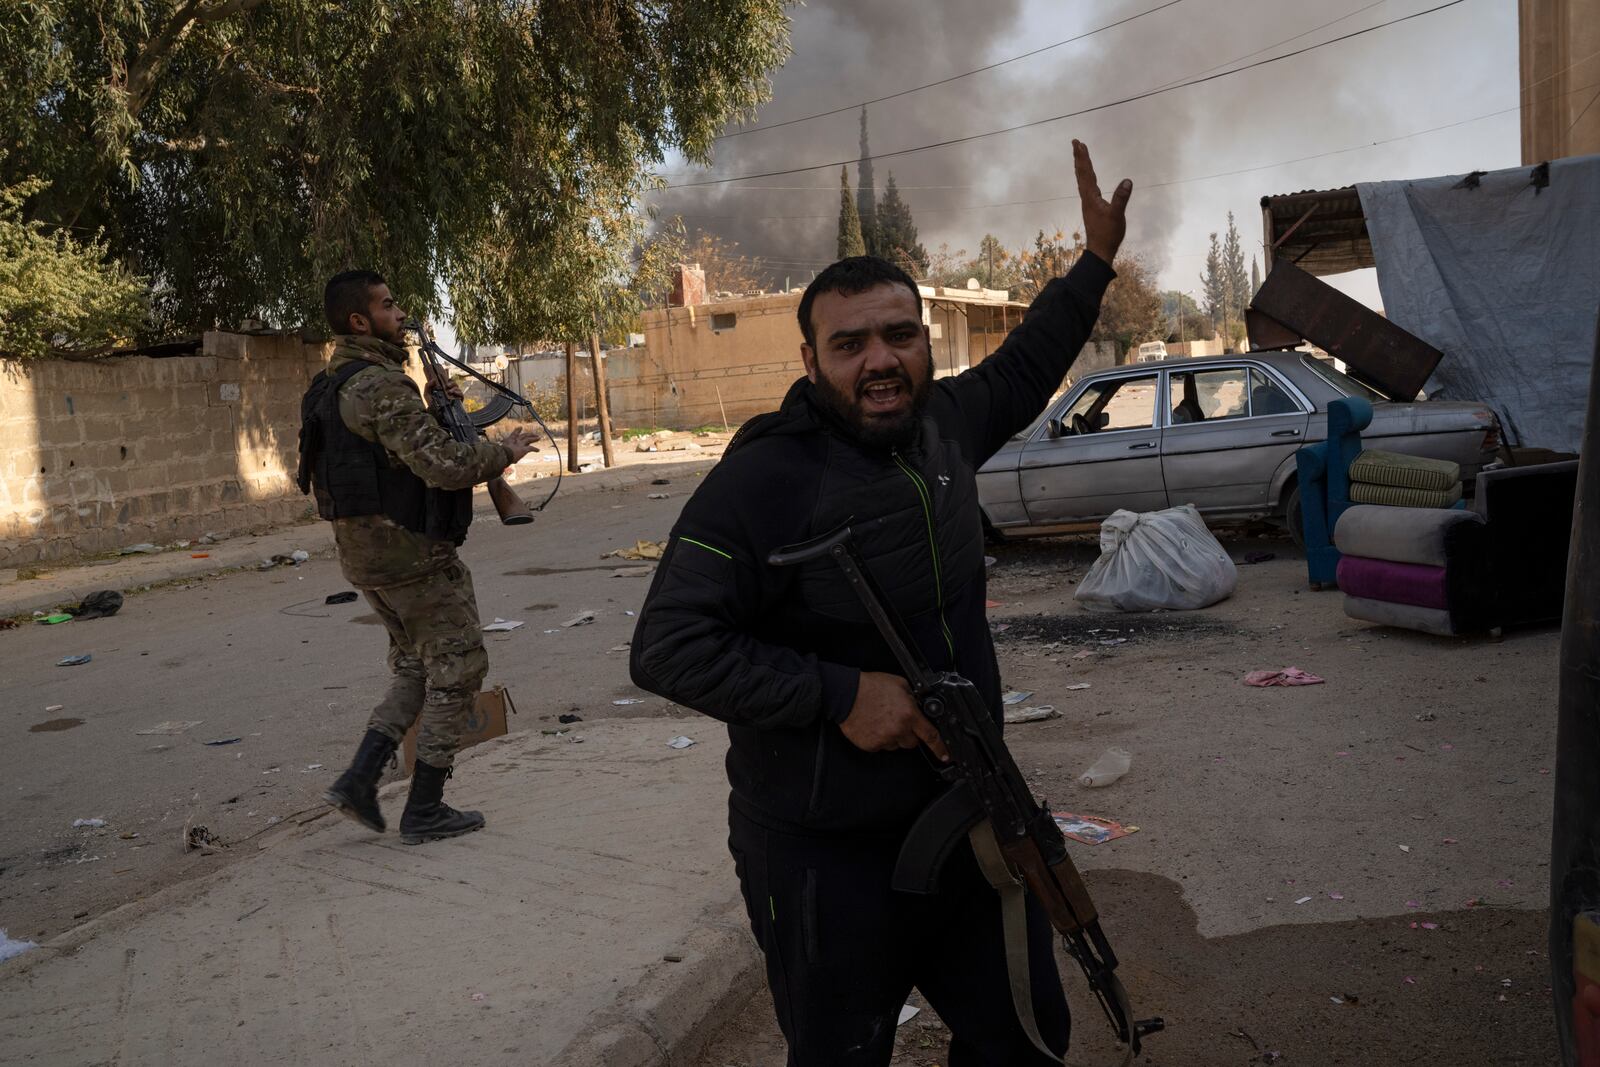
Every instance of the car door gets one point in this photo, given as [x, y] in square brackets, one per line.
[1229, 428]
[1099, 452]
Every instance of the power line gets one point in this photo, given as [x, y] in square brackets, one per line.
[1072, 114]
[951, 78]
[1278, 44]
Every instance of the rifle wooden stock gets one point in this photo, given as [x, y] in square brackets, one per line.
[513, 512]
[1059, 889]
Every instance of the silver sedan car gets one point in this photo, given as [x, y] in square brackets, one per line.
[1218, 433]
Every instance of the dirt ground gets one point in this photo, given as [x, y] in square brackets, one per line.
[1406, 801]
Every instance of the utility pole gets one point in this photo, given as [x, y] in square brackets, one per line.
[572, 408]
[602, 405]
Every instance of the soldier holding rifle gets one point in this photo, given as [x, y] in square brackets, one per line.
[831, 759]
[397, 487]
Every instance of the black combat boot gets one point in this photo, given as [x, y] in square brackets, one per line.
[355, 793]
[427, 817]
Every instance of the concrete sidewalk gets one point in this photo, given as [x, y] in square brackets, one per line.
[69, 583]
[593, 922]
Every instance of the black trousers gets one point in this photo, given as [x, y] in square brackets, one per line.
[843, 950]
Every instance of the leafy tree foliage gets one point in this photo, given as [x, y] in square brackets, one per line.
[238, 152]
[1130, 313]
[58, 295]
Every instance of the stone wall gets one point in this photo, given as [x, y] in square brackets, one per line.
[96, 455]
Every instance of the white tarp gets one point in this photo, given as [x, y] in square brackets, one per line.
[1504, 279]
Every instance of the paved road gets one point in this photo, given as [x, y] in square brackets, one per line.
[257, 657]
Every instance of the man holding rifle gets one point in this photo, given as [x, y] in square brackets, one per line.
[398, 489]
[824, 764]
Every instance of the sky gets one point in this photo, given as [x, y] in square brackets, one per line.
[1431, 96]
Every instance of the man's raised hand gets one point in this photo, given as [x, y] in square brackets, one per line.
[1104, 223]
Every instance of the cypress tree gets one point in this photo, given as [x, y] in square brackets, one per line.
[850, 242]
[867, 197]
[897, 233]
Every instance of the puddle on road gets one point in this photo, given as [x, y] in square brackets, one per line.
[50, 726]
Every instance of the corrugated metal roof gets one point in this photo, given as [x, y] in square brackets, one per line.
[1321, 231]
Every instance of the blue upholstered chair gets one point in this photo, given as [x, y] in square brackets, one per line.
[1325, 484]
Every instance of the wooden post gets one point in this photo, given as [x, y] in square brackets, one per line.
[572, 408]
[602, 406]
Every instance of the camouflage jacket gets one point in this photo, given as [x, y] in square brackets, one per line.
[385, 406]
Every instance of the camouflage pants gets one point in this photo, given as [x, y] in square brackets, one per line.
[437, 656]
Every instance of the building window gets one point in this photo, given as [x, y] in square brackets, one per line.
[724, 321]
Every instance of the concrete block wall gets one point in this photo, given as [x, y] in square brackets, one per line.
[96, 455]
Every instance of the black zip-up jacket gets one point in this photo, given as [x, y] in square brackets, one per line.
[776, 653]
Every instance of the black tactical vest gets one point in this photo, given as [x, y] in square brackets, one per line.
[351, 476]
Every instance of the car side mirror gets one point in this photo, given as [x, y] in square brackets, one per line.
[1053, 428]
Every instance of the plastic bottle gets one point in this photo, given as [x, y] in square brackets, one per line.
[1112, 765]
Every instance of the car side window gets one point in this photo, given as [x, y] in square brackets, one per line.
[1118, 404]
[1267, 397]
[1210, 395]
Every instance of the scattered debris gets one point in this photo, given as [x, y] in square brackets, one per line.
[640, 550]
[1260, 557]
[582, 618]
[92, 823]
[680, 742]
[633, 572]
[660, 481]
[1016, 696]
[313, 767]
[74, 661]
[617, 648]
[199, 555]
[659, 496]
[570, 717]
[673, 957]
[143, 548]
[1033, 714]
[1287, 676]
[346, 597]
[172, 726]
[1112, 765]
[502, 626]
[625, 701]
[1427, 716]
[52, 620]
[1405, 848]
[1334, 895]
[97, 605]
[907, 1013]
[54, 707]
[1078, 687]
[219, 742]
[1090, 829]
[198, 838]
[1302, 900]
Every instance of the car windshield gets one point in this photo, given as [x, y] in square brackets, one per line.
[1340, 380]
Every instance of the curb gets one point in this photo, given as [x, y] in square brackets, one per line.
[75, 581]
[674, 1011]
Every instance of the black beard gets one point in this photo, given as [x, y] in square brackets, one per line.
[879, 432]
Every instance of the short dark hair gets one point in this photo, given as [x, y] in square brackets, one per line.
[850, 276]
[349, 293]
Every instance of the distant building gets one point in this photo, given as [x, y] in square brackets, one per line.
[710, 361]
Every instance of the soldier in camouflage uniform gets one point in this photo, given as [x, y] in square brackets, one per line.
[398, 490]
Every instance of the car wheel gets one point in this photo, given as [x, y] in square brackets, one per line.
[1293, 518]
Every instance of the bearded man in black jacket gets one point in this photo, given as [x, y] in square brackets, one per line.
[823, 762]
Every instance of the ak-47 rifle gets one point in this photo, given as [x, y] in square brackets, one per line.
[987, 788]
[468, 427]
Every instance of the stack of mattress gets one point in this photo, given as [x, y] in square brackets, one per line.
[1423, 570]
[1397, 480]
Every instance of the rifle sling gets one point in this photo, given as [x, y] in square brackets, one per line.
[1014, 922]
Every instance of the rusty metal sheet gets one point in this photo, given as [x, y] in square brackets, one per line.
[1393, 361]
[1267, 332]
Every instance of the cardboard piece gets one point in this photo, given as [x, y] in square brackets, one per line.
[491, 710]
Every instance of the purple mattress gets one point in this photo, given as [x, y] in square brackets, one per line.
[1396, 583]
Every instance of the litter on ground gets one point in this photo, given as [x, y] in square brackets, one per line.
[172, 726]
[1031, 714]
[74, 661]
[92, 823]
[1286, 676]
[640, 550]
[582, 618]
[1111, 766]
[1090, 829]
[502, 626]
[10, 948]
[1016, 696]
[625, 701]
[680, 742]
[907, 1013]
[346, 597]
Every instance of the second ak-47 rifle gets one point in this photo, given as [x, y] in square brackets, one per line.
[987, 793]
[468, 426]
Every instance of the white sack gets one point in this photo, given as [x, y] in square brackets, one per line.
[1158, 559]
